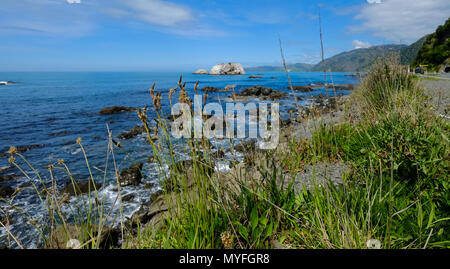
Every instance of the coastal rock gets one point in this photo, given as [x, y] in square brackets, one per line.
[21, 149]
[262, 93]
[133, 132]
[303, 88]
[201, 72]
[128, 197]
[115, 109]
[147, 212]
[62, 235]
[80, 188]
[3, 83]
[6, 191]
[256, 91]
[227, 69]
[231, 87]
[212, 89]
[131, 175]
[348, 87]
[7, 170]
[8, 177]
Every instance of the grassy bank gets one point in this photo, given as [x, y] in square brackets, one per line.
[394, 196]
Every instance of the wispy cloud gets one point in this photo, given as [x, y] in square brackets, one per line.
[79, 17]
[159, 12]
[360, 44]
[48, 17]
[402, 20]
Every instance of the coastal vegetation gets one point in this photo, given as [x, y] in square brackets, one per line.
[394, 196]
[435, 51]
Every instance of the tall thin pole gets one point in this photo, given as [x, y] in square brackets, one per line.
[323, 56]
[287, 73]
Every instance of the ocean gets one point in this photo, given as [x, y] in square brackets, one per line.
[49, 111]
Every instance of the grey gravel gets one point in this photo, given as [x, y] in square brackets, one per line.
[439, 93]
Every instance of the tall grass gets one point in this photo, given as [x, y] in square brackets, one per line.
[395, 197]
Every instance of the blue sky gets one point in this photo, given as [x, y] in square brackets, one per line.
[162, 35]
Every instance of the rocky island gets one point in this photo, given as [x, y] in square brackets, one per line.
[223, 69]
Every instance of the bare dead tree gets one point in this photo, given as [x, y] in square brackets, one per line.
[323, 56]
[287, 74]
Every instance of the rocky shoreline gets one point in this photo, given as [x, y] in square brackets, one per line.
[153, 213]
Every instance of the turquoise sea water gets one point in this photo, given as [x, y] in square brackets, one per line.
[54, 109]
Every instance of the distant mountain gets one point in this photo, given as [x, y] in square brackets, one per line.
[408, 54]
[358, 60]
[299, 67]
[436, 48]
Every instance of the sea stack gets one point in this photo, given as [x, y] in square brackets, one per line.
[227, 69]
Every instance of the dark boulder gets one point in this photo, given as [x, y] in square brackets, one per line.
[148, 211]
[115, 109]
[133, 132]
[277, 95]
[131, 175]
[21, 149]
[256, 91]
[80, 188]
[8, 177]
[128, 197]
[6, 191]
[213, 89]
[303, 88]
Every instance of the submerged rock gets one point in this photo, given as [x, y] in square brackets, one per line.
[133, 132]
[115, 109]
[21, 149]
[6, 191]
[227, 69]
[80, 188]
[253, 76]
[213, 89]
[131, 175]
[8, 177]
[303, 88]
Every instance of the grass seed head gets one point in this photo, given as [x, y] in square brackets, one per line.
[12, 150]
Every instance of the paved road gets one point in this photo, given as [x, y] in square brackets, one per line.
[443, 76]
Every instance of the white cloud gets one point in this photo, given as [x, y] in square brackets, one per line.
[74, 1]
[361, 44]
[160, 12]
[402, 20]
